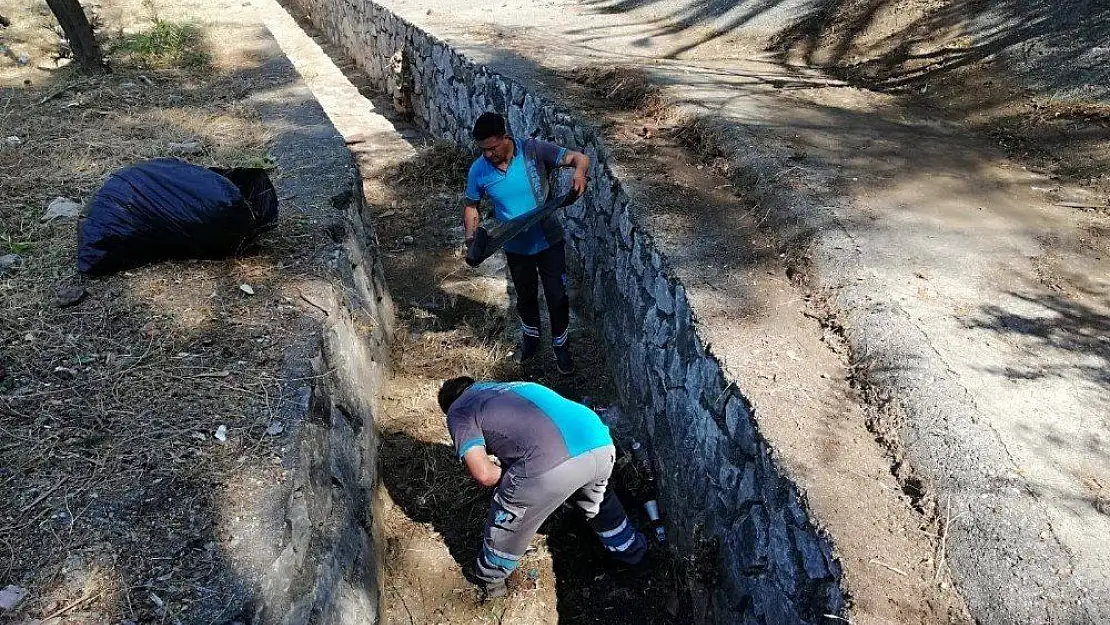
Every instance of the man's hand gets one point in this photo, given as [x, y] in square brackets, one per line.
[480, 467]
[581, 164]
[578, 183]
[471, 219]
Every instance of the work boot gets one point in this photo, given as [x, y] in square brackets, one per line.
[496, 590]
[563, 362]
[527, 348]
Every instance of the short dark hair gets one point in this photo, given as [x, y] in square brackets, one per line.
[488, 125]
[451, 389]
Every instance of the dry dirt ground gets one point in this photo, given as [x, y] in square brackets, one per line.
[117, 501]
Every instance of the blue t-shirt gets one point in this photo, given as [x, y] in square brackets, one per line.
[513, 192]
[529, 427]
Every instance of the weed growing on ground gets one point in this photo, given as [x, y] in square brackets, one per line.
[166, 45]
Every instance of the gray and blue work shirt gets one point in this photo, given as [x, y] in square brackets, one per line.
[529, 427]
[519, 190]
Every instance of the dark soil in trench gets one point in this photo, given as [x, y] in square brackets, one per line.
[453, 320]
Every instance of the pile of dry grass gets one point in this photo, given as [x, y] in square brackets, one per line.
[441, 165]
[627, 88]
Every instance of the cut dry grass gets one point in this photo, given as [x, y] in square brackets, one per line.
[441, 165]
[624, 87]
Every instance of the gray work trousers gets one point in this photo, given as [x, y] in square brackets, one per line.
[521, 504]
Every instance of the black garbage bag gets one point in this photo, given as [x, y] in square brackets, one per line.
[166, 208]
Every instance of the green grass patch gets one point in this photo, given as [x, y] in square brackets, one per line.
[10, 245]
[166, 45]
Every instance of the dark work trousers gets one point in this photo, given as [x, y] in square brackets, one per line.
[528, 271]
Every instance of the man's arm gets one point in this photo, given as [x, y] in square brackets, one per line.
[581, 164]
[471, 220]
[480, 467]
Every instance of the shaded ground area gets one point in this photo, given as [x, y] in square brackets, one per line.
[118, 503]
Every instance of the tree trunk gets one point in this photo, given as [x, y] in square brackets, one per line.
[82, 41]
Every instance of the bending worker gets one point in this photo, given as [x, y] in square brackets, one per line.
[515, 176]
[550, 450]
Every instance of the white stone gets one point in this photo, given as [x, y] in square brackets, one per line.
[190, 148]
[61, 207]
[8, 261]
[11, 596]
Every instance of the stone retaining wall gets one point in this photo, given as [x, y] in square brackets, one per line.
[327, 570]
[752, 554]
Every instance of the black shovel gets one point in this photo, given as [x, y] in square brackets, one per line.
[486, 242]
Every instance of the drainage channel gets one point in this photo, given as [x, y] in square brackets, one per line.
[747, 547]
[452, 320]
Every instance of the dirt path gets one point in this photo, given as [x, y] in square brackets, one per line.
[454, 320]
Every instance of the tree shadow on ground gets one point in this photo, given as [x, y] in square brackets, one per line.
[1058, 323]
[919, 44]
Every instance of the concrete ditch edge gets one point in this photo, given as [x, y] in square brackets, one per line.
[752, 554]
[328, 567]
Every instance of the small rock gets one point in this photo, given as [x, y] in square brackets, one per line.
[275, 428]
[246, 288]
[69, 295]
[13, 141]
[11, 597]
[200, 436]
[408, 240]
[23, 58]
[128, 85]
[221, 433]
[62, 207]
[188, 147]
[9, 261]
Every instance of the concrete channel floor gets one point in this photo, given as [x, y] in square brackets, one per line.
[967, 295]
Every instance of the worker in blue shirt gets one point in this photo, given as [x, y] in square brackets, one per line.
[515, 176]
[549, 450]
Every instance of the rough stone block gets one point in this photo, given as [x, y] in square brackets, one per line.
[664, 295]
[812, 556]
[776, 606]
[676, 372]
[748, 492]
[784, 564]
[749, 539]
[624, 226]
